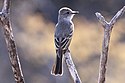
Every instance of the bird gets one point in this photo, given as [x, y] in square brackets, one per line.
[62, 37]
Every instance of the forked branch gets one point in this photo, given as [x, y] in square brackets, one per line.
[105, 45]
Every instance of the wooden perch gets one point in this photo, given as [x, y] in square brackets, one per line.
[105, 45]
[71, 67]
[9, 38]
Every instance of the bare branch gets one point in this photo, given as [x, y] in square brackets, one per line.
[71, 67]
[6, 6]
[105, 45]
[104, 56]
[101, 18]
[117, 16]
[9, 38]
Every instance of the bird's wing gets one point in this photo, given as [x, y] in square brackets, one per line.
[62, 43]
[63, 36]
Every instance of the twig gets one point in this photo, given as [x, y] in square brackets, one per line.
[105, 45]
[9, 38]
[71, 67]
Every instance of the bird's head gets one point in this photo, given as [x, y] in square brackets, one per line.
[67, 13]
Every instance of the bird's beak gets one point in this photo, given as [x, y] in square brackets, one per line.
[75, 12]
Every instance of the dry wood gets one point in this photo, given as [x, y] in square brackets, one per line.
[71, 67]
[9, 38]
[105, 45]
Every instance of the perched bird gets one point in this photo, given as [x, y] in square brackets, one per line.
[63, 35]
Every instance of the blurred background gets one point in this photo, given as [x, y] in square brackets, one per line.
[33, 23]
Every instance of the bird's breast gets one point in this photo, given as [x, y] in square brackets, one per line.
[63, 29]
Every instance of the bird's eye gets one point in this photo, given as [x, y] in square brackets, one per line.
[67, 12]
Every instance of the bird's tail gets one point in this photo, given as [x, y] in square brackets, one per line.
[57, 68]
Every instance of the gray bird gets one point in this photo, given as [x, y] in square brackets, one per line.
[63, 35]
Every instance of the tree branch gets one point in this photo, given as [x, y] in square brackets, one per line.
[6, 6]
[105, 45]
[117, 16]
[101, 19]
[71, 67]
[9, 38]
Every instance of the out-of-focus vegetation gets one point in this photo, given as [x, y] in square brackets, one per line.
[33, 23]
